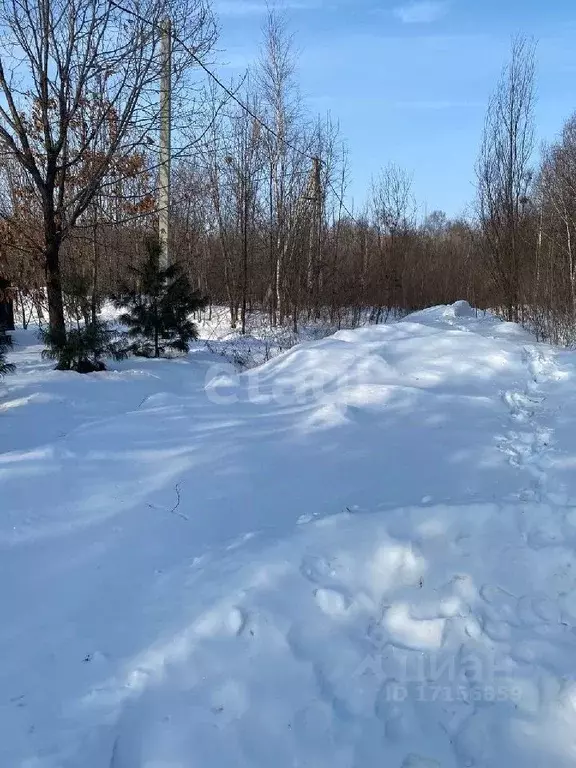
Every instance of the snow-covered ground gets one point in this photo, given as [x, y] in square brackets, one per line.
[361, 554]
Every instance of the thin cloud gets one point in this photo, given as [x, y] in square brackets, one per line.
[421, 11]
[254, 8]
[239, 8]
[435, 106]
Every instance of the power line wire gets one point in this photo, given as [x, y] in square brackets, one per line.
[218, 81]
[240, 103]
[342, 203]
[183, 153]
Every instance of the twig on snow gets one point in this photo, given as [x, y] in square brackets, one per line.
[174, 510]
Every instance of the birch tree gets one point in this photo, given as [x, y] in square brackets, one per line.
[504, 171]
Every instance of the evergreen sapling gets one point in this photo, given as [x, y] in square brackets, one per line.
[85, 348]
[87, 343]
[157, 312]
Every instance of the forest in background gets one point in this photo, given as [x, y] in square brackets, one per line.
[259, 215]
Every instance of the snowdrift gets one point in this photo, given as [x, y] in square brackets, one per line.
[360, 554]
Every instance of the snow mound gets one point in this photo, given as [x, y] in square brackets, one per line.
[460, 309]
[362, 553]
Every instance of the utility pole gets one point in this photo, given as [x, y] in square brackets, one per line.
[246, 188]
[165, 140]
[319, 205]
[314, 196]
[318, 208]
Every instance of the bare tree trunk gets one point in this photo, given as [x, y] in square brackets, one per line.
[54, 286]
[95, 261]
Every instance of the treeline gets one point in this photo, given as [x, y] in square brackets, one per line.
[258, 211]
[526, 211]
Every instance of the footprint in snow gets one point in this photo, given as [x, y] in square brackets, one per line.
[405, 631]
[398, 725]
[317, 570]
[499, 631]
[501, 605]
[304, 519]
[549, 534]
[235, 621]
[331, 602]
[546, 609]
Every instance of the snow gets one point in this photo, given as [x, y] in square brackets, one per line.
[362, 553]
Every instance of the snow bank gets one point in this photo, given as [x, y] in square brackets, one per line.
[360, 554]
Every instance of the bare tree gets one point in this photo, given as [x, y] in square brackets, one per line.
[55, 57]
[282, 108]
[504, 171]
[394, 215]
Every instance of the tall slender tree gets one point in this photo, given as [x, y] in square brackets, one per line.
[505, 174]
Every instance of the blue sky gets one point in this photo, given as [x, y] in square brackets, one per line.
[409, 80]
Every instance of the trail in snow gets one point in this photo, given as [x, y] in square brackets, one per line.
[529, 441]
[362, 554]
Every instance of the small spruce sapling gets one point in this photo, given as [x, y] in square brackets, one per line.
[88, 341]
[157, 311]
[85, 349]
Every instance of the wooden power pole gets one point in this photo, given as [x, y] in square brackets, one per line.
[165, 140]
[314, 196]
[318, 207]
